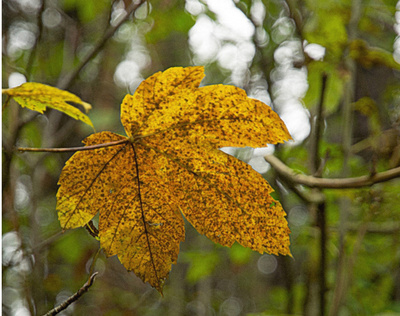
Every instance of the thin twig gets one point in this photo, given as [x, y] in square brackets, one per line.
[72, 149]
[317, 129]
[347, 138]
[6, 102]
[74, 297]
[66, 81]
[297, 19]
[266, 64]
[33, 51]
[316, 170]
[323, 239]
[48, 241]
[372, 228]
[330, 183]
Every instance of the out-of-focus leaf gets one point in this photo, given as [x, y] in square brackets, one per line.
[327, 27]
[202, 264]
[368, 57]
[162, 26]
[334, 86]
[86, 10]
[37, 97]
[239, 254]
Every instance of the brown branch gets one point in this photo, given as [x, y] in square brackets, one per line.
[71, 149]
[34, 49]
[372, 228]
[316, 168]
[267, 64]
[47, 241]
[332, 183]
[65, 82]
[74, 297]
[297, 19]
[92, 230]
[316, 127]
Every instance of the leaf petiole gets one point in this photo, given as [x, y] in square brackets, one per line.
[71, 149]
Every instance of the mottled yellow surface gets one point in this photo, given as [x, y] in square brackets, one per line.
[170, 165]
[38, 97]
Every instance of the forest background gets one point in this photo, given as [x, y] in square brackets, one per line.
[330, 69]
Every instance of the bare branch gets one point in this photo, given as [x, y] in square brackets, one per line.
[373, 228]
[65, 82]
[34, 49]
[296, 17]
[333, 183]
[316, 134]
[74, 297]
[48, 241]
[72, 149]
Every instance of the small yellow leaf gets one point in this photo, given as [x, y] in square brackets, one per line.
[170, 165]
[37, 96]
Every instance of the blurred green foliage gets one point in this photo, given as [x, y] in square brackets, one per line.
[334, 86]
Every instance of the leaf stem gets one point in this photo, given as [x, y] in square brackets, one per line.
[92, 230]
[74, 297]
[72, 149]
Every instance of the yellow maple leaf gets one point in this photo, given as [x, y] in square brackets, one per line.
[169, 165]
[37, 97]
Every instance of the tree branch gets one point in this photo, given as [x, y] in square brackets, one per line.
[333, 183]
[74, 297]
[316, 168]
[92, 230]
[316, 132]
[65, 82]
[34, 49]
[373, 228]
[297, 19]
